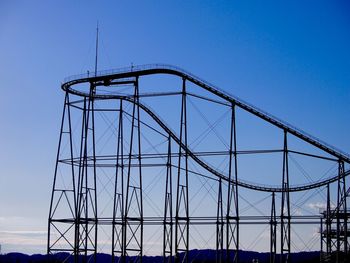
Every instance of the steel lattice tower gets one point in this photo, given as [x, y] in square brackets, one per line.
[130, 179]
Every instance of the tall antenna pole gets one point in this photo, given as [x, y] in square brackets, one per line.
[96, 49]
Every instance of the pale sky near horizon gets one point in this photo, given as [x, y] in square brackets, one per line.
[291, 59]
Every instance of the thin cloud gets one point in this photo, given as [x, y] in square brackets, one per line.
[318, 206]
[24, 233]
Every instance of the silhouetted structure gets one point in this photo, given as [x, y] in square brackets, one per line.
[111, 143]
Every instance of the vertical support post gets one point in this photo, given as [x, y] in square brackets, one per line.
[133, 230]
[328, 224]
[168, 211]
[219, 226]
[321, 241]
[87, 197]
[63, 195]
[232, 214]
[82, 200]
[182, 202]
[53, 192]
[94, 189]
[118, 223]
[78, 235]
[341, 214]
[326, 231]
[140, 168]
[285, 207]
[273, 231]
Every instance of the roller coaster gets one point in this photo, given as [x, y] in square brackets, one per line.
[153, 160]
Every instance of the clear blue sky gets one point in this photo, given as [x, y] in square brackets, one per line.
[291, 59]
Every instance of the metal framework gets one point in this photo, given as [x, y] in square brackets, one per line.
[138, 160]
[334, 224]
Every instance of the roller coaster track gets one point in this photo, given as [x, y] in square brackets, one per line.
[225, 177]
[125, 75]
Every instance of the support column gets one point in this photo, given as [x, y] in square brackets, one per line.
[80, 237]
[118, 223]
[219, 226]
[232, 214]
[273, 231]
[329, 224]
[182, 202]
[342, 217]
[322, 253]
[93, 191]
[168, 211]
[133, 230]
[87, 199]
[285, 207]
[326, 230]
[63, 205]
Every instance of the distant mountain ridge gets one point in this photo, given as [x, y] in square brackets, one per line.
[195, 256]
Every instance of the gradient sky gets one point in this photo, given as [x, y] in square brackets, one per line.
[291, 59]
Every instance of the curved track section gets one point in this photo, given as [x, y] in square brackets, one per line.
[136, 71]
[213, 171]
[126, 75]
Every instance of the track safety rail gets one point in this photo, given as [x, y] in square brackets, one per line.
[71, 80]
[148, 69]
